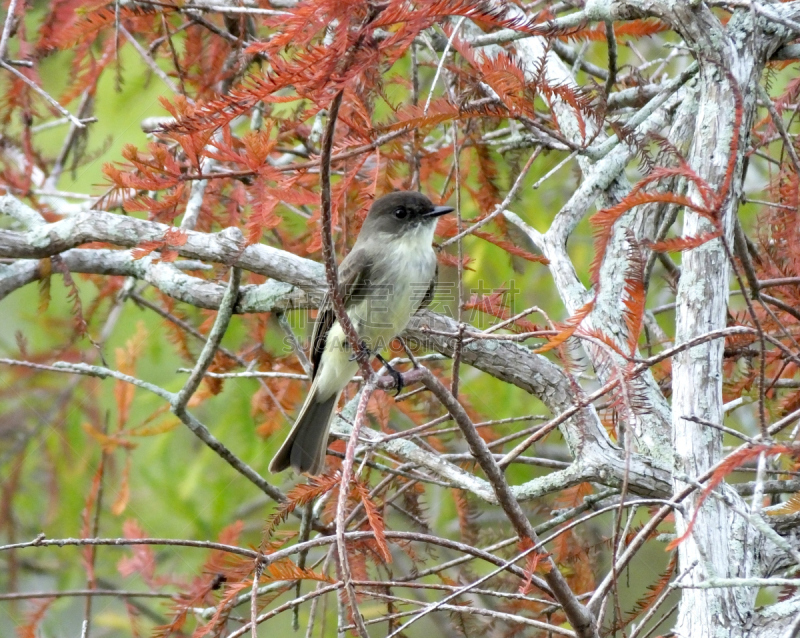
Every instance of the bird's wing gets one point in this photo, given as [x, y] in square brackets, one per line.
[354, 274]
[426, 300]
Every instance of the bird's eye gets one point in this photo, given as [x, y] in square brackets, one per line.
[400, 213]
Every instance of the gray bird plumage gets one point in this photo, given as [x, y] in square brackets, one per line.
[387, 276]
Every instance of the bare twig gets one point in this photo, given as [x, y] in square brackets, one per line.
[341, 507]
[614, 382]
[359, 351]
[577, 614]
[200, 430]
[257, 375]
[442, 59]
[95, 526]
[468, 609]
[221, 8]
[296, 347]
[43, 541]
[328, 255]
[73, 593]
[459, 340]
[212, 343]
[254, 600]
[612, 58]
[284, 607]
[553, 170]
[7, 26]
[502, 206]
[656, 604]
[51, 100]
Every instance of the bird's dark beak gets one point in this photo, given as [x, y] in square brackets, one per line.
[438, 211]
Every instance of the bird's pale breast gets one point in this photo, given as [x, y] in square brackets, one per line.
[393, 296]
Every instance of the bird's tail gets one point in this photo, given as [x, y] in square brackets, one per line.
[304, 448]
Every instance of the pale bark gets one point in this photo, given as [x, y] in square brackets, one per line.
[732, 548]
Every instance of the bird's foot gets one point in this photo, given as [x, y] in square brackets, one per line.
[398, 378]
[363, 353]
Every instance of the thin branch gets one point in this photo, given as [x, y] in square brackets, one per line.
[655, 519]
[462, 590]
[451, 588]
[296, 346]
[341, 507]
[254, 601]
[241, 631]
[740, 247]
[656, 604]
[212, 343]
[780, 304]
[90, 371]
[200, 430]
[50, 184]
[615, 382]
[459, 340]
[783, 281]
[578, 615]
[468, 609]
[328, 251]
[43, 541]
[7, 26]
[268, 559]
[553, 170]
[720, 427]
[75, 593]
[257, 375]
[601, 150]
[228, 353]
[611, 40]
[51, 100]
[220, 8]
[502, 206]
[441, 63]
[788, 143]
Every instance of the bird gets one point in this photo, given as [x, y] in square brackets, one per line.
[389, 274]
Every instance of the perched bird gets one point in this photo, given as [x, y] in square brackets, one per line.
[388, 275]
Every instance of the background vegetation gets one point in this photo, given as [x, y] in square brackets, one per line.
[210, 116]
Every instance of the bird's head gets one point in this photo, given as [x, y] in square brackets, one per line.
[401, 212]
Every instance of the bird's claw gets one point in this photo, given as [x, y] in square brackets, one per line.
[362, 354]
[398, 380]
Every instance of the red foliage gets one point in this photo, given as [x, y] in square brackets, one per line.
[173, 238]
[220, 567]
[297, 497]
[728, 465]
[248, 104]
[375, 520]
[568, 328]
[30, 627]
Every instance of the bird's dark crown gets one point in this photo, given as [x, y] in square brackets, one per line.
[400, 210]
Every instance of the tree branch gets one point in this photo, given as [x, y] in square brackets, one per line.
[212, 343]
[579, 617]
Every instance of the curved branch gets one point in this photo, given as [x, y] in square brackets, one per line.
[226, 247]
[578, 615]
[296, 284]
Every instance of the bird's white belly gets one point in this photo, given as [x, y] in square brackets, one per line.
[397, 297]
[385, 312]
